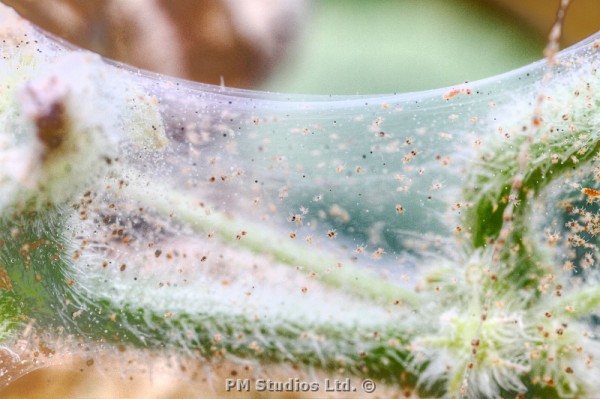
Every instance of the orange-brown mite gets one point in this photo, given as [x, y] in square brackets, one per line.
[590, 192]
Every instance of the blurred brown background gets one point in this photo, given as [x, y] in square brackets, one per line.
[582, 20]
[202, 40]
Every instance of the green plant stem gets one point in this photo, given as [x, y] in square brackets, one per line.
[260, 240]
[577, 304]
[490, 188]
[43, 291]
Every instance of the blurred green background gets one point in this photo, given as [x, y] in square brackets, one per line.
[382, 46]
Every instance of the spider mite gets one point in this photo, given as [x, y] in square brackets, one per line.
[590, 192]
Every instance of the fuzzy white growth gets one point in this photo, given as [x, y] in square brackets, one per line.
[59, 137]
[56, 135]
[71, 153]
[55, 141]
[517, 345]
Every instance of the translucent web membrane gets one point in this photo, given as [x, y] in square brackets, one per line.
[442, 242]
